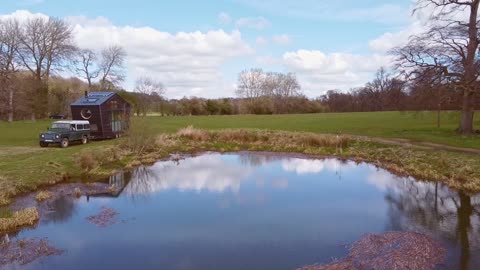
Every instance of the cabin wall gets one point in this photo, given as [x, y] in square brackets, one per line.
[95, 119]
[102, 116]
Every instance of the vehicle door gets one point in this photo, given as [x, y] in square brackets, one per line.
[74, 133]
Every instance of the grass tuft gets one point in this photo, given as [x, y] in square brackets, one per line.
[43, 196]
[25, 217]
[194, 134]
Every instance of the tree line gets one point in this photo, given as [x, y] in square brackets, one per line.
[32, 54]
[437, 69]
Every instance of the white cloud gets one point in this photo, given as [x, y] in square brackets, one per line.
[319, 71]
[261, 41]
[258, 23]
[281, 39]
[311, 166]
[22, 15]
[224, 18]
[188, 63]
[193, 174]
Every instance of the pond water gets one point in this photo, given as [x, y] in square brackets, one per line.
[253, 211]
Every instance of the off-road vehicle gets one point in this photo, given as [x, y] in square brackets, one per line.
[65, 132]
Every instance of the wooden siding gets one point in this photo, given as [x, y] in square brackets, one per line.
[102, 115]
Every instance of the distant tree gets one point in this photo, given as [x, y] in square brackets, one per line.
[111, 68]
[449, 48]
[86, 66]
[45, 44]
[9, 43]
[148, 89]
[266, 93]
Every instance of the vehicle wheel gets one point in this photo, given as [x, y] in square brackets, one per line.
[43, 144]
[64, 143]
[84, 140]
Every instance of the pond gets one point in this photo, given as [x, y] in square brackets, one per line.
[252, 211]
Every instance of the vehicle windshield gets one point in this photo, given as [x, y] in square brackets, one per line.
[60, 126]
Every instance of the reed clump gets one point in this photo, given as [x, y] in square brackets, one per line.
[25, 217]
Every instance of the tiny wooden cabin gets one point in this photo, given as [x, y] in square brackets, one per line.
[107, 112]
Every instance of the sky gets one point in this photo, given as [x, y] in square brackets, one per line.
[197, 48]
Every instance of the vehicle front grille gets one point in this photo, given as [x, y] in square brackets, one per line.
[49, 136]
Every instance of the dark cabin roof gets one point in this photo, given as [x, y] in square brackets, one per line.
[93, 99]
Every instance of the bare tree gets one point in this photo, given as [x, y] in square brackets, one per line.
[281, 88]
[449, 48]
[9, 31]
[268, 88]
[86, 66]
[45, 44]
[149, 90]
[251, 84]
[112, 66]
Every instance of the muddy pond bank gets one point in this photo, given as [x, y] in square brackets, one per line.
[248, 211]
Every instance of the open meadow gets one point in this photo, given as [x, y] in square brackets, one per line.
[421, 126]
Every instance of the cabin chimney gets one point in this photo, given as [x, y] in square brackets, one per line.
[86, 93]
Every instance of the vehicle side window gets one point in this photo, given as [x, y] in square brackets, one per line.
[72, 127]
[86, 127]
[79, 127]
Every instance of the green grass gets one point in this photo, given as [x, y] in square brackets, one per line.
[24, 165]
[420, 126]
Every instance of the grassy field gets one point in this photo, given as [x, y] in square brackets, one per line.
[24, 165]
[411, 125]
[420, 126]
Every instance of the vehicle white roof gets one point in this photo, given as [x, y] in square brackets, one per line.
[80, 122]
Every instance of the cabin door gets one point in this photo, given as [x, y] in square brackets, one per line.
[117, 121]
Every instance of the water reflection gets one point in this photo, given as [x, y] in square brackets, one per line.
[255, 211]
[433, 209]
[60, 210]
[208, 173]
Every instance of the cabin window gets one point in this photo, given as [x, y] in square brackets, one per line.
[113, 105]
[73, 127]
[79, 127]
[86, 127]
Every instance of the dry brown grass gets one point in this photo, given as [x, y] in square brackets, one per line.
[87, 161]
[43, 196]
[8, 189]
[241, 136]
[77, 192]
[244, 136]
[194, 134]
[25, 217]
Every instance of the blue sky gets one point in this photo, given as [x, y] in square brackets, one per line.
[328, 44]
